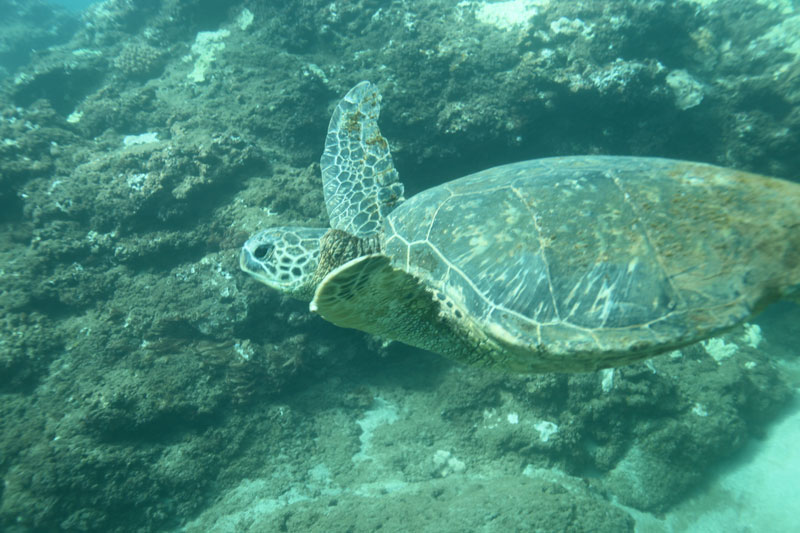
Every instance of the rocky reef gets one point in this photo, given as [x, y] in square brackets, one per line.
[146, 384]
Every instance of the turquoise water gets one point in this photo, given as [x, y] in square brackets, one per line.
[73, 5]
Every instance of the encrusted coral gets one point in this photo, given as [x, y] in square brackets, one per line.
[139, 61]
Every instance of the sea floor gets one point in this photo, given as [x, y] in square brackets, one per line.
[750, 494]
[758, 489]
[754, 491]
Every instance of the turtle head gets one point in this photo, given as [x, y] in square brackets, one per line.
[284, 258]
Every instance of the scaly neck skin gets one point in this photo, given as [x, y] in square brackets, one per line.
[338, 247]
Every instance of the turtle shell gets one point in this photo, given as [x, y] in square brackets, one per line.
[603, 256]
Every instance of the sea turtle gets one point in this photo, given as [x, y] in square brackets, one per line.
[558, 264]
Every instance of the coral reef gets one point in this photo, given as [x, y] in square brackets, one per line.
[139, 60]
[140, 148]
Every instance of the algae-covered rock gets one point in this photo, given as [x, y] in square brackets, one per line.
[500, 504]
[148, 385]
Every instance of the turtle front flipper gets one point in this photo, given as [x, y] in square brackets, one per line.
[369, 294]
[359, 181]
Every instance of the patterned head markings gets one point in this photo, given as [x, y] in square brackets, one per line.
[283, 258]
[359, 181]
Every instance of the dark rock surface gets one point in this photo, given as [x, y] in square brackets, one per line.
[144, 378]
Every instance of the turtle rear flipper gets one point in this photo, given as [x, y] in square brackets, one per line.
[359, 181]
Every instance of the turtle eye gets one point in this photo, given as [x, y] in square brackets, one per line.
[263, 251]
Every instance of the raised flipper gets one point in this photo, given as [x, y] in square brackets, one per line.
[359, 181]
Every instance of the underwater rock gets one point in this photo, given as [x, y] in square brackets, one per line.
[139, 61]
[137, 364]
